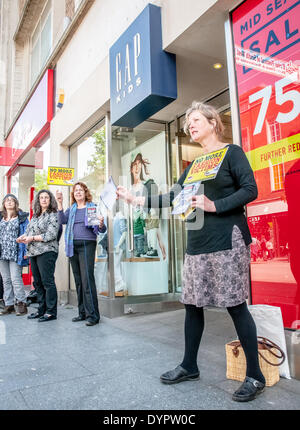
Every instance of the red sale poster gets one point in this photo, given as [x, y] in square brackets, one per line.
[266, 37]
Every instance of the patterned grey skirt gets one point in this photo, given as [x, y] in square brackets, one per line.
[220, 278]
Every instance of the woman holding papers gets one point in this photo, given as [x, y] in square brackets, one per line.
[82, 228]
[216, 267]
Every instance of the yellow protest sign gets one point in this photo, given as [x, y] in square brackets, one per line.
[60, 176]
[206, 166]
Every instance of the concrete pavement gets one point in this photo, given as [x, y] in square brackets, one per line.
[61, 365]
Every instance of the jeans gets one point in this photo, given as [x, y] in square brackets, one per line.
[43, 268]
[83, 264]
[1, 287]
[139, 245]
[12, 282]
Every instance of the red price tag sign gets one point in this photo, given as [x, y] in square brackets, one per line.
[266, 36]
[266, 41]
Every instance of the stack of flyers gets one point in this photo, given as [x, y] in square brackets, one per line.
[92, 216]
[182, 202]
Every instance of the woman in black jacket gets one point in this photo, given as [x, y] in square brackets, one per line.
[216, 267]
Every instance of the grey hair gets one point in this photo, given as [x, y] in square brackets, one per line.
[210, 113]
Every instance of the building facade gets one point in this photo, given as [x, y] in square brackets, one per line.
[71, 76]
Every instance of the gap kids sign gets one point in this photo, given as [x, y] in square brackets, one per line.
[142, 75]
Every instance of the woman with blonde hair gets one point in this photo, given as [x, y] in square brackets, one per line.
[80, 246]
[216, 266]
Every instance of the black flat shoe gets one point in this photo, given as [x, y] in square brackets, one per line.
[79, 318]
[34, 315]
[47, 318]
[179, 374]
[90, 323]
[249, 390]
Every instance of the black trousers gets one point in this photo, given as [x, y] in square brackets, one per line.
[1, 288]
[83, 263]
[43, 268]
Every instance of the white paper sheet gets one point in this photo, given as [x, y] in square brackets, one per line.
[108, 194]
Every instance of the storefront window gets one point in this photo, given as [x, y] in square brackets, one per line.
[89, 158]
[22, 180]
[266, 44]
[42, 162]
[178, 225]
[141, 236]
[41, 42]
[15, 184]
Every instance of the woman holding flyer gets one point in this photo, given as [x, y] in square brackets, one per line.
[216, 267]
[82, 226]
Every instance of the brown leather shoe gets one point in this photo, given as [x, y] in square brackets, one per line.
[7, 310]
[21, 309]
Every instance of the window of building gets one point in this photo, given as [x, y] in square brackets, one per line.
[277, 170]
[245, 139]
[88, 158]
[275, 133]
[41, 42]
[277, 177]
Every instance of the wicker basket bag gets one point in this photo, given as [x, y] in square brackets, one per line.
[270, 357]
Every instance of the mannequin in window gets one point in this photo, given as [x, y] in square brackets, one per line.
[152, 223]
[149, 221]
[138, 169]
[120, 233]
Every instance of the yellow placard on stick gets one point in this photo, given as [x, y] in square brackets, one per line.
[60, 176]
[206, 167]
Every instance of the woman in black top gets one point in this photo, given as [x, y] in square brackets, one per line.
[216, 266]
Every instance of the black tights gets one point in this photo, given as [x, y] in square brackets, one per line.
[245, 328]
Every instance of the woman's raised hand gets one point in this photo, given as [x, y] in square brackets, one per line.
[59, 198]
[124, 194]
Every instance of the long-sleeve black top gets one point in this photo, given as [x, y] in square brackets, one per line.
[233, 187]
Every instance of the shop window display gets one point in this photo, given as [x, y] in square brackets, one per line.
[139, 161]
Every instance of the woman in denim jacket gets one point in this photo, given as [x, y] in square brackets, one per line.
[13, 223]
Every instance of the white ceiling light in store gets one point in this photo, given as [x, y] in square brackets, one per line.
[217, 66]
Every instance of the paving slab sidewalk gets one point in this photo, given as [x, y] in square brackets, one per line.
[61, 365]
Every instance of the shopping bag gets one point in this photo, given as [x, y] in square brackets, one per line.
[269, 324]
[270, 358]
